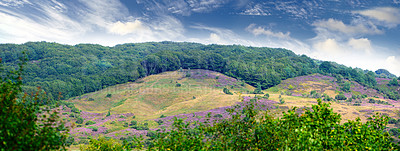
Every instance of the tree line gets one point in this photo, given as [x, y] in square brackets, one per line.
[68, 71]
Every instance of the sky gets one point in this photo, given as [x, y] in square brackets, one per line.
[356, 33]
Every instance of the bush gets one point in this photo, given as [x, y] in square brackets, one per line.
[371, 100]
[340, 97]
[75, 110]
[90, 122]
[218, 116]
[108, 113]
[94, 129]
[162, 116]
[79, 120]
[392, 121]
[160, 122]
[133, 123]
[109, 95]
[226, 91]
[90, 99]
[103, 144]
[178, 85]
[126, 124]
[266, 96]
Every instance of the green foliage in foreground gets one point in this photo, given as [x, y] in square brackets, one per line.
[315, 129]
[24, 124]
[319, 129]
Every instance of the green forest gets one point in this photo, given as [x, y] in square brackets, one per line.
[66, 71]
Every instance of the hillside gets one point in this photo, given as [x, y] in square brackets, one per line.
[159, 94]
[360, 101]
[84, 68]
[150, 103]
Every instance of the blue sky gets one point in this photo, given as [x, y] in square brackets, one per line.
[356, 33]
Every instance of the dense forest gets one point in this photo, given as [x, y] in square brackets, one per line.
[68, 71]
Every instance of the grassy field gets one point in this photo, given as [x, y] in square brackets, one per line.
[157, 95]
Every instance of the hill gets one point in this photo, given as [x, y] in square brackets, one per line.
[84, 68]
[162, 95]
[151, 103]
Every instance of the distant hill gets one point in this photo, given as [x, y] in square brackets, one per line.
[383, 73]
[66, 71]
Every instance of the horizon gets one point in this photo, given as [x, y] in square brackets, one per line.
[351, 33]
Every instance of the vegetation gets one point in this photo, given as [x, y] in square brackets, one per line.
[25, 123]
[316, 129]
[226, 91]
[83, 68]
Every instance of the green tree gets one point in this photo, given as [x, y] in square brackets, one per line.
[393, 82]
[21, 128]
[258, 90]
[346, 87]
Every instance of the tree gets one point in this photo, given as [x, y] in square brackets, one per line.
[346, 87]
[21, 128]
[258, 89]
[393, 82]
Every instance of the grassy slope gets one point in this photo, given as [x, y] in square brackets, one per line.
[157, 95]
[328, 85]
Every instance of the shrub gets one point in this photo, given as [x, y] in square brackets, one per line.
[290, 87]
[90, 99]
[103, 144]
[90, 122]
[160, 122]
[108, 113]
[218, 116]
[266, 96]
[226, 91]
[126, 124]
[371, 100]
[133, 123]
[79, 120]
[162, 116]
[94, 129]
[109, 95]
[340, 97]
[392, 121]
[178, 85]
[134, 117]
[75, 110]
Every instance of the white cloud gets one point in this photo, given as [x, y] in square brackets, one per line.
[393, 64]
[336, 25]
[328, 48]
[256, 10]
[262, 31]
[388, 15]
[220, 36]
[362, 44]
[125, 28]
[14, 3]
